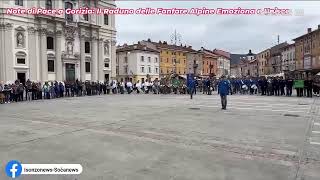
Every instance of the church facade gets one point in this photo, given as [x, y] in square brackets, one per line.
[57, 47]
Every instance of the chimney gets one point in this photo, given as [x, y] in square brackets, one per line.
[309, 30]
[139, 42]
[318, 26]
[190, 47]
[160, 42]
[149, 40]
[250, 51]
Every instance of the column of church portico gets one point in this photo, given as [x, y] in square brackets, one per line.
[94, 56]
[83, 58]
[101, 60]
[32, 54]
[58, 56]
[8, 49]
[43, 54]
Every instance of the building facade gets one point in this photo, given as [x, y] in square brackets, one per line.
[57, 47]
[173, 58]
[137, 62]
[275, 60]
[223, 62]
[194, 62]
[253, 68]
[288, 58]
[263, 59]
[209, 63]
[307, 53]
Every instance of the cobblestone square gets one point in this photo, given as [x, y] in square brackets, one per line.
[164, 137]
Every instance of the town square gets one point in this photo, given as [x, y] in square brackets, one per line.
[150, 136]
[159, 90]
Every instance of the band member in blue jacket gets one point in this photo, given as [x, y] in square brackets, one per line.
[191, 83]
[223, 87]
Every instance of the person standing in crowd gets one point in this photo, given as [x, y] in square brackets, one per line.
[39, 86]
[308, 87]
[7, 92]
[137, 86]
[146, 87]
[282, 84]
[269, 87]
[129, 87]
[1, 93]
[316, 86]
[223, 88]
[61, 89]
[28, 90]
[121, 86]
[289, 85]
[46, 90]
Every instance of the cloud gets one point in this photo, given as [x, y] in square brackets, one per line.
[236, 34]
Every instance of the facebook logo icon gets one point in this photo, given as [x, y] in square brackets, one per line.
[13, 169]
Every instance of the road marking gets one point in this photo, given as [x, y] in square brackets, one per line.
[251, 108]
[317, 124]
[315, 143]
[316, 132]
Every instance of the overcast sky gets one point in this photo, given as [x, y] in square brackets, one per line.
[233, 33]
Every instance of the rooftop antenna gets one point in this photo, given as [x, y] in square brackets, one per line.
[175, 38]
[278, 39]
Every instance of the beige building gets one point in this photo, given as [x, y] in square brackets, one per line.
[57, 47]
[137, 62]
[263, 62]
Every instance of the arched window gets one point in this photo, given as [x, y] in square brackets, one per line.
[87, 47]
[20, 39]
[69, 5]
[50, 44]
[106, 19]
[48, 4]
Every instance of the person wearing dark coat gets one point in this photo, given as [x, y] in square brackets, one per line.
[289, 85]
[282, 84]
[223, 88]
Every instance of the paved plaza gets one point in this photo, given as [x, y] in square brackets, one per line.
[166, 137]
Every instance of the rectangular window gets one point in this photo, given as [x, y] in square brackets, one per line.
[19, 2]
[142, 69]
[106, 65]
[149, 69]
[149, 59]
[21, 61]
[50, 65]
[87, 47]
[88, 68]
[106, 19]
[156, 69]
[156, 60]
[125, 69]
[142, 58]
[125, 59]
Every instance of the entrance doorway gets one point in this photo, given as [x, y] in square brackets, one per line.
[70, 72]
[106, 77]
[22, 77]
